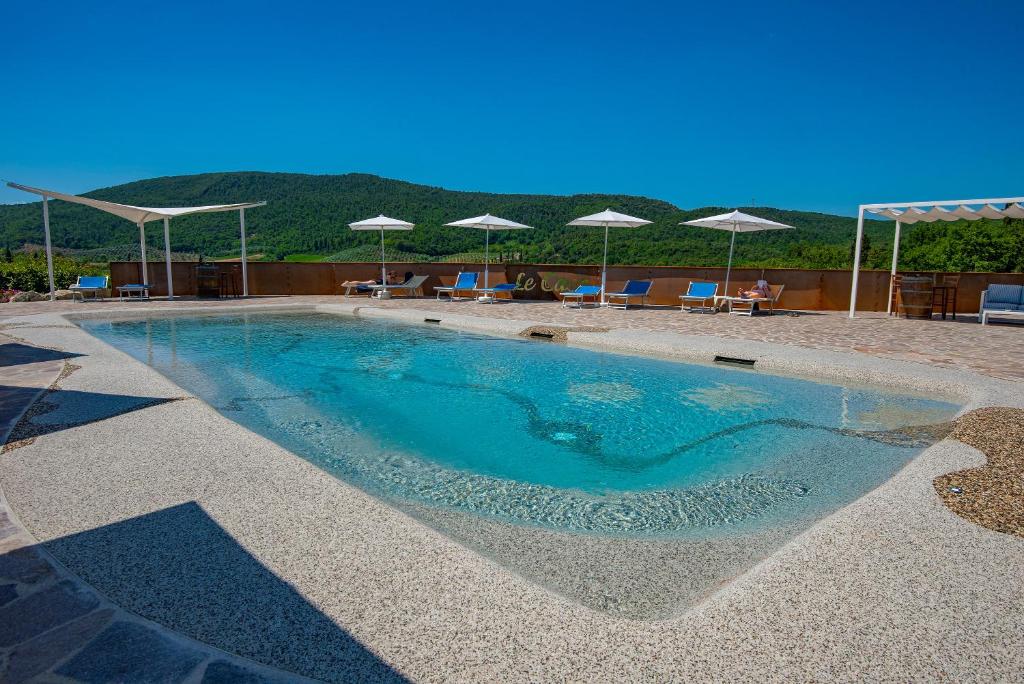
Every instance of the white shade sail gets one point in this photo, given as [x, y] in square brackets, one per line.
[382, 223]
[140, 216]
[487, 223]
[962, 212]
[608, 219]
[737, 222]
[133, 213]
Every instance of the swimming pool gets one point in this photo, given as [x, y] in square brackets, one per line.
[538, 433]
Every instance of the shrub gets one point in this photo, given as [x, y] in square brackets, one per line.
[29, 273]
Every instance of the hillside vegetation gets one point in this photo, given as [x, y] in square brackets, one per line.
[307, 215]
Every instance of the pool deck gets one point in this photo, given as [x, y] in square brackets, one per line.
[176, 515]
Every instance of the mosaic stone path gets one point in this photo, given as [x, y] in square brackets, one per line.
[53, 626]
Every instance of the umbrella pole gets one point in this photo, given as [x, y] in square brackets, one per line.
[604, 265]
[728, 269]
[487, 254]
[383, 267]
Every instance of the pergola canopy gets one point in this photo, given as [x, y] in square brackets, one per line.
[927, 212]
[960, 213]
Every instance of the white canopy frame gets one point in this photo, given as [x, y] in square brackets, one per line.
[140, 216]
[928, 212]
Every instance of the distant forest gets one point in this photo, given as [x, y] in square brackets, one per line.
[307, 215]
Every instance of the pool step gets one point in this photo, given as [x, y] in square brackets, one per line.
[734, 361]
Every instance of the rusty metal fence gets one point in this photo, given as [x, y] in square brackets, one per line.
[807, 289]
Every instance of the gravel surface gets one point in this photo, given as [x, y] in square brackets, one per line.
[992, 495]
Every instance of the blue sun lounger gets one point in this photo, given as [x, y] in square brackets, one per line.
[94, 284]
[633, 288]
[580, 293]
[699, 294]
[464, 282]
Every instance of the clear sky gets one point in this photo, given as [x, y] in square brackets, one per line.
[807, 105]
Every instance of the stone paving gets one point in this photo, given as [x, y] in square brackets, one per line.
[994, 350]
[53, 626]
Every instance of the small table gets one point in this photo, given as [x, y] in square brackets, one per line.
[141, 291]
[228, 286]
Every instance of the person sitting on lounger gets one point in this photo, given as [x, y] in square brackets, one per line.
[761, 291]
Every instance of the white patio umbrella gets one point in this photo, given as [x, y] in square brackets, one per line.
[735, 222]
[608, 219]
[382, 223]
[487, 223]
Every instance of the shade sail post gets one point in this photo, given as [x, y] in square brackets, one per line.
[167, 257]
[245, 265]
[895, 261]
[604, 266]
[49, 248]
[856, 260]
[142, 247]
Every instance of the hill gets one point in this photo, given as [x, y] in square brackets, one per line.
[308, 215]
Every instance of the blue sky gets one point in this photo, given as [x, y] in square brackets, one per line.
[797, 105]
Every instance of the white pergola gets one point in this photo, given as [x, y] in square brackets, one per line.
[140, 216]
[928, 212]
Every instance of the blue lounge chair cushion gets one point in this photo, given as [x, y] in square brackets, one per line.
[466, 281]
[635, 288]
[504, 287]
[90, 283]
[584, 291]
[1005, 297]
[702, 290]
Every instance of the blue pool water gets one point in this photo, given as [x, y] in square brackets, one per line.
[536, 432]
